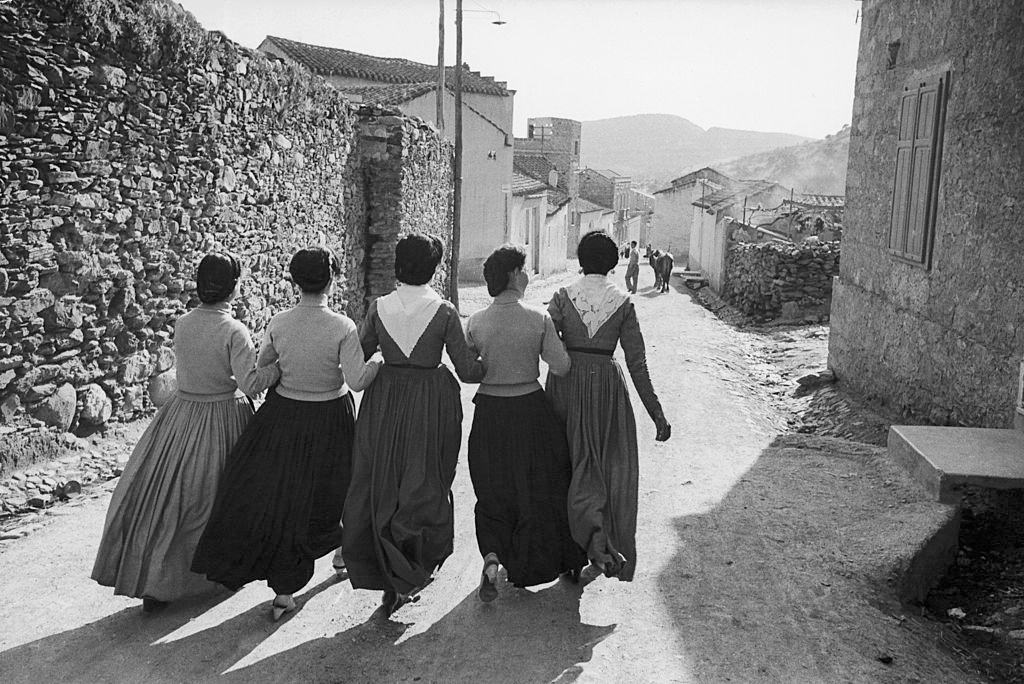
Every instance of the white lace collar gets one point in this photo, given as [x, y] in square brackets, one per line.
[595, 299]
[406, 312]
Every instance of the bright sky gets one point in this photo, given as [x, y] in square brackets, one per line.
[766, 65]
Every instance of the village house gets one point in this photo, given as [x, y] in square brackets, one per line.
[715, 218]
[640, 215]
[593, 217]
[540, 222]
[673, 211]
[610, 189]
[552, 146]
[928, 310]
[412, 87]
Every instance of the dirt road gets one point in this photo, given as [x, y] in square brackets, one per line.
[56, 623]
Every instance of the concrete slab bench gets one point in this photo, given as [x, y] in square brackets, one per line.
[946, 459]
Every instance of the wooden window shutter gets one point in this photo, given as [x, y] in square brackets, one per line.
[915, 189]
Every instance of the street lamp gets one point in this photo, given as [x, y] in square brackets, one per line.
[497, 22]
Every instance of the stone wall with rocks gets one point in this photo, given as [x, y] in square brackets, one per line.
[132, 142]
[939, 342]
[409, 176]
[774, 279]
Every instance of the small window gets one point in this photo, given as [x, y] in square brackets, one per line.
[576, 148]
[918, 156]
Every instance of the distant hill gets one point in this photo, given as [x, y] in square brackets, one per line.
[655, 148]
[818, 166]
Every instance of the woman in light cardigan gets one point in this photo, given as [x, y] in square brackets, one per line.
[166, 493]
[279, 507]
[518, 455]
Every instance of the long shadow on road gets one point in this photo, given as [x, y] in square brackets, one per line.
[792, 576]
[523, 637]
[131, 647]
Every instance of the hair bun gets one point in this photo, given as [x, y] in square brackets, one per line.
[216, 277]
[313, 268]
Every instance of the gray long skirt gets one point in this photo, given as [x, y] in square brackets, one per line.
[164, 499]
[593, 400]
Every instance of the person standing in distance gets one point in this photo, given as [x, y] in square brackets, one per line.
[633, 268]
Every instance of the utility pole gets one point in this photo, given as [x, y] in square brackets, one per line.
[440, 70]
[457, 209]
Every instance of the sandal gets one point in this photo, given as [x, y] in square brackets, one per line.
[392, 601]
[488, 590]
[279, 607]
[152, 605]
[338, 563]
[573, 575]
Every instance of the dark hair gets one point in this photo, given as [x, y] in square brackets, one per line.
[216, 277]
[416, 258]
[313, 267]
[597, 253]
[633, 243]
[499, 264]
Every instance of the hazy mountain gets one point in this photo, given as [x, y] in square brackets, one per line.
[658, 147]
[818, 166]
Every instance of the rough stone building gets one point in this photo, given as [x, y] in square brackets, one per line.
[412, 86]
[609, 189]
[673, 211]
[132, 142]
[553, 144]
[558, 142]
[928, 311]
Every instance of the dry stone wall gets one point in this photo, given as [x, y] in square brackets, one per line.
[409, 176]
[132, 142]
[772, 279]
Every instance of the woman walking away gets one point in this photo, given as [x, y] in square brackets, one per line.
[518, 456]
[283, 491]
[166, 494]
[593, 315]
[398, 522]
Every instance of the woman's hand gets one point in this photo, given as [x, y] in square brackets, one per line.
[664, 429]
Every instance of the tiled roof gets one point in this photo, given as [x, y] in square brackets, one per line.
[556, 199]
[327, 61]
[820, 201]
[585, 206]
[707, 173]
[535, 166]
[727, 196]
[524, 185]
[608, 173]
[397, 93]
[391, 93]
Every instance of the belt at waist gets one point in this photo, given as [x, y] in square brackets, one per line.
[588, 350]
[410, 366]
[208, 398]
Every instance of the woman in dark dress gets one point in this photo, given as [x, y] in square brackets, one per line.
[518, 455]
[593, 316]
[280, 501]
[399, 519]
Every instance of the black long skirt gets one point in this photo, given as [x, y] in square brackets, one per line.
[520, 466]
[281, 496]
